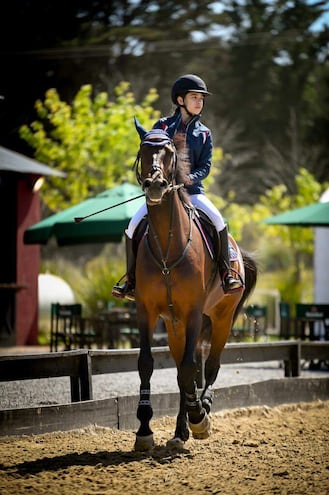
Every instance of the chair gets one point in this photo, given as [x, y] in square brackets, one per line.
[285, 320]
[250, 324]
[67, 327]
[257, 320]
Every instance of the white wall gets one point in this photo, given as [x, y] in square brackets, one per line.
[321, 260]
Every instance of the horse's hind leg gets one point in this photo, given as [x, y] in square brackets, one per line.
[191, 412]
[212, 367]
[182, 432]
[219, 335]
[144, 436]
[197, 415]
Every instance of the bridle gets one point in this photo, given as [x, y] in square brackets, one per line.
[168, 184]
[160, 141]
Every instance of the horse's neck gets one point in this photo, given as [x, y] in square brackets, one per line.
[169, 222]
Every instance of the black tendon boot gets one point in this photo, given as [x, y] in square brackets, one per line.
[127, 290]
[230, 284]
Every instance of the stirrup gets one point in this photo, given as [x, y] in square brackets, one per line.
[230, 284]
[125, 291]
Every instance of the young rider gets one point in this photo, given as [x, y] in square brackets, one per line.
[187, 94]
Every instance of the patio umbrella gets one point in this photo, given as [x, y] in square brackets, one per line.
[107, 226]
[313, 215]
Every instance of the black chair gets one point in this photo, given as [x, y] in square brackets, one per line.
[256, 320]
[67, 327]
[285, 321]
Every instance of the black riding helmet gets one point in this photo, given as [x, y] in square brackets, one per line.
[186, 84]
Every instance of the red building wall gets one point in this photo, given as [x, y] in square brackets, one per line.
[27, 264]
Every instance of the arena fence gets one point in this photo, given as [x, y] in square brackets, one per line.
[120, 412]
[81, 365]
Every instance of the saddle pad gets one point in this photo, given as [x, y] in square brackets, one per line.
[232, 252]
[207, 239]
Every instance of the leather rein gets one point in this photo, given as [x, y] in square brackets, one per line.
[161, 259]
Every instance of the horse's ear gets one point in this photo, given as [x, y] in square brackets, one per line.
[140, 129]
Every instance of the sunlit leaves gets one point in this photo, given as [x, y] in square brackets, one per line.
[92, 140]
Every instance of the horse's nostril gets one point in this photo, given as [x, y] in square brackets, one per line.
[147, 183]
[164, 183]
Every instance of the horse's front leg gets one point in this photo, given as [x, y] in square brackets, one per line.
[144, 436]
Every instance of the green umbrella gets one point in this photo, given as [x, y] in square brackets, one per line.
[314, 215]
[107, 226]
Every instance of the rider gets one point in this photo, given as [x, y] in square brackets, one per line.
[188, 94]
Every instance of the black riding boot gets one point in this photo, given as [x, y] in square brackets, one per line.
[127, 290]
[229, 283]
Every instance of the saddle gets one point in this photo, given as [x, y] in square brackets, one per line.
[206, 228]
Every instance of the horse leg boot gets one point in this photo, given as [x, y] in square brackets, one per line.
[127, 290]
[230, 284]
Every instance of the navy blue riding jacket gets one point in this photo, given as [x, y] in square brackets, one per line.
[199, 142]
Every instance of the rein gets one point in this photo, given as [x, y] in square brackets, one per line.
[162, 260]
[163, 264]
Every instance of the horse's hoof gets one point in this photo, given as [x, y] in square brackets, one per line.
[142, 444]
[201, 430]
[175, 443]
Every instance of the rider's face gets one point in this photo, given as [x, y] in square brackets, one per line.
[193, 102]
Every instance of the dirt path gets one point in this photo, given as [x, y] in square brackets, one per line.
[255, 451]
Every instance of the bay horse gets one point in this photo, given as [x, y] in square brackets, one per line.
[177, 280]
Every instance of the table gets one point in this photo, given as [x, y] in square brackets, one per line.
[307, 315]
[115, 324]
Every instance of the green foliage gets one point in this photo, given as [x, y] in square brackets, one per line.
[277, 200]
[235, 215]
[91, 282]
[100, 275]
[292, 245]
[93, 141]
[274, 82]
[265, 63]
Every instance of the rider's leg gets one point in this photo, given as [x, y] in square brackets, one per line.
[230, 284]
[127, 289]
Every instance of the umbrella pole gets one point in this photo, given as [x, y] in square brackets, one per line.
[80, 219]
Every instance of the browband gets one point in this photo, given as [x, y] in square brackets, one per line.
[156, 137]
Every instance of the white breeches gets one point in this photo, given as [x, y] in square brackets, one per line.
[198, 200]
[204, 204]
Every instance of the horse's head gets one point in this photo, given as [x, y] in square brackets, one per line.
[157, 157]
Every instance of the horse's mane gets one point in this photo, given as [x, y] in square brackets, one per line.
[182, 173]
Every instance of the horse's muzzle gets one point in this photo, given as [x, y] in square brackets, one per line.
[155, 190]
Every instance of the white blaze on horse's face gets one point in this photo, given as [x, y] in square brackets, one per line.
[156, 184]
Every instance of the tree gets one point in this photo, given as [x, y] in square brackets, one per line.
[91, 42]
[298, 240]
[273, 54]
[93, 141]
[264, 63]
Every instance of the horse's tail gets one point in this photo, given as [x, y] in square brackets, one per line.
[250, 269]
[251, 272]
